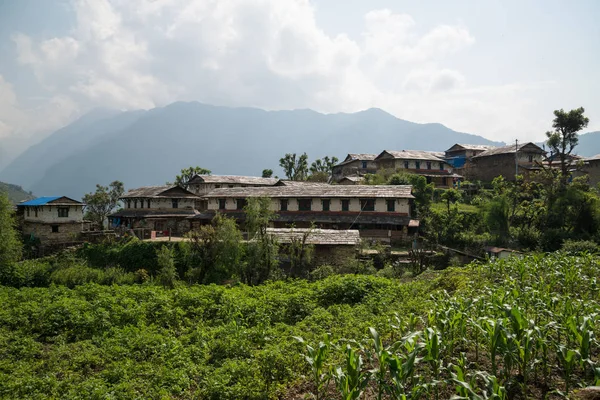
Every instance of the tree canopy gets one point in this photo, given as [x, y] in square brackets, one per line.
[103, 201]
[188, 173]
[10, 245]
[294, 167]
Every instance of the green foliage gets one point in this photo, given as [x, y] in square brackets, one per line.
[580, 246]
[267, 173]
[102, 202]
[295, 168]
[563, 139]
[10, 246]
[167, 273]
[188, 173]
[422, 190]
[262, 249]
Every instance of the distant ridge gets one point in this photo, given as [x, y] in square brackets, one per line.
[15, 193]
[149, 148]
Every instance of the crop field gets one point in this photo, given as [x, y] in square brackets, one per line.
[521, 328]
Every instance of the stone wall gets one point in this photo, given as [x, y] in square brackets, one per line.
[335, 255]
[67, 233]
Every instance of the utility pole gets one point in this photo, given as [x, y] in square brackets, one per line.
[516, 158]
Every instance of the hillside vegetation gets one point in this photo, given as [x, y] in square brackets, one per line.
[505, 329]
[15, 193]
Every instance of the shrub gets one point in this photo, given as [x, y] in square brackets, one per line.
[321, 272]
[76, 275]
[580, 246]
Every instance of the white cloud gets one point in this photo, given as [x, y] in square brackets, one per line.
[265, 53]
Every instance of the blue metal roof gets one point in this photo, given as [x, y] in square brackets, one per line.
[40, 201]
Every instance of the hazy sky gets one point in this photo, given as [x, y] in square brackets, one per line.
[494, 68]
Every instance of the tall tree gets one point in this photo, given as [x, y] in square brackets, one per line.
[262, 249]
[10, 245]
[295, 168]
[324, 164]
[267, 173]
[563, 139]
[188, 173]
[102, 202]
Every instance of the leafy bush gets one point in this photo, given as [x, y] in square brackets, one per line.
[580, 246]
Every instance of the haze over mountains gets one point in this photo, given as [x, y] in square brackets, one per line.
[150, 147]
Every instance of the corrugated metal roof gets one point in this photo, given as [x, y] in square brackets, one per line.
[351, 157]
[40, 201]
[230, 179]
[509, 149]
[285, 182]
[414, 155]
[319, 191]
[470, 147]
[316, 236]
[159, 192]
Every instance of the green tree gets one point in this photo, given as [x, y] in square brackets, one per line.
[451, 196]
[262, 249]
[188, 173]
[167, 273]
[102, 202]
[421, 190]
[563, 139]
[497, 218]
[10, 245]
[324, 164]
[295, 168]
[300, 253]
[267, 173]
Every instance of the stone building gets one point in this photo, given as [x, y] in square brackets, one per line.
[202, 184]
[379, 212]
[591, 168]
[52, 220]
[430, 164]
[351, 180]
[160, 209]
[459, 157]
[331, 247]
[506, 161]
[354, 165]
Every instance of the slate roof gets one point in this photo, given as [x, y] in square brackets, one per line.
[321, 191]
[350, 237]
[159, 192]
[509, 149]
[353, 178]
[285, 182]
[471, 147]
[231, 179]
[351, 157]
[414, 155]
[593, 158]
[53, 200]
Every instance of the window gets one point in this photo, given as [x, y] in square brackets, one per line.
[391, 205]
[217, 186]
[175, 203]
[28, 211]
[241, 203]
[428, 164]
[135, 204]
[35, 210]
[141, 203]
[63, 212]
[345, 205]
[406, 164]
[283, 203]
[304, 204]
[148, 203]
[530, 158]
[54, 228]
[326, 204]
[222, 203]
[128, 203]
[444, 181]
[367, 204]
[418, 164]
[364, 165]
[230, 186]
[441, 166]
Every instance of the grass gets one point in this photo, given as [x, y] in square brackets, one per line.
[466, 208]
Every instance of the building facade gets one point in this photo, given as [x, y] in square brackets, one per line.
[162, 209]
[354, 165]
[429, 164]
[506, 161]
[202, 184]
[52, 220]
[379, 212]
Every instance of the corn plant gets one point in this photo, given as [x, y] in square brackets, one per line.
[568, 360]
[316, 359]
[401, 364]
[352, 380]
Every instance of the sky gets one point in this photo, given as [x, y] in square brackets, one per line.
[493, 68]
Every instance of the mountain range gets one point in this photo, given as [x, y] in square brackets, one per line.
[150, 147]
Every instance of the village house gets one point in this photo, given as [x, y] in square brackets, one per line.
[379, 212]
[331, 247]
[52, 220]
[351, 180]
[354, 165]
[156, 210]
[523, 158]
[202, 184]
[430, 164]
[459, 157]
[591, 168]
